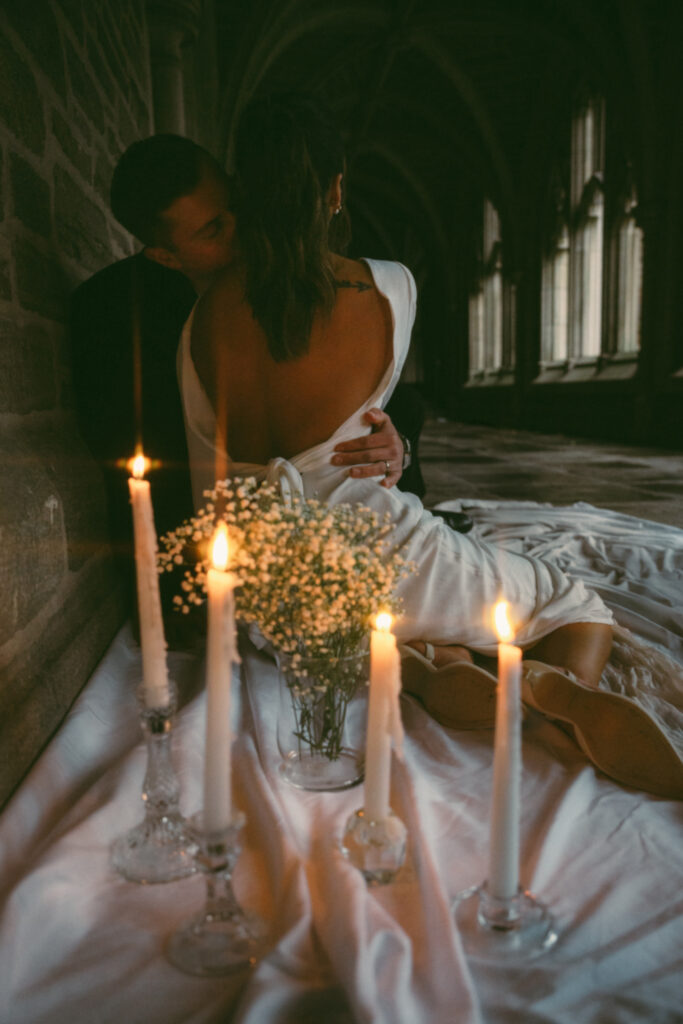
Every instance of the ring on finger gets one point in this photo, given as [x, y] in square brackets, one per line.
[387, 466]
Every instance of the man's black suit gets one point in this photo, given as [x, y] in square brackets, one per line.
[104, 311]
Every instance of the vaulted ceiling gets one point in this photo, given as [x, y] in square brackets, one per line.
[441, 101]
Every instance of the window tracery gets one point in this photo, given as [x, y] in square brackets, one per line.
[592, 267]
[491, 307]
[587, 236]
[627, 276]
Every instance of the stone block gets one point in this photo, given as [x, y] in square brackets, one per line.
[73, 11]
[136, 37]
[128, 128]
[5, 279]
[77, 482]
[21, 105]
[80, 122]
[101, 70]
[40, 34]
[138, 15]
[141, 108]
[76, 154]
[30, 196]
[66, 397]
[114, 56]
[111, 139]
[40, 683]
[41, 282]
[33, 559]
[27, 377]
[81, 225]
[103, 170]
[83, 87]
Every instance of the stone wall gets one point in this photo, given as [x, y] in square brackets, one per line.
[74, 92]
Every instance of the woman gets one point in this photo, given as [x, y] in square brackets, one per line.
[280, 361]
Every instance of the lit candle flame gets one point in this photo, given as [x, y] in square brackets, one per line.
[219, 547]
[502, 623]
[384, 622]
[138, 465]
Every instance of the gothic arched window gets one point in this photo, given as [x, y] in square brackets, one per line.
[491, 307]
[627, 277]
[555, 301]
[476, 333]
[587, 231]
[555, 281]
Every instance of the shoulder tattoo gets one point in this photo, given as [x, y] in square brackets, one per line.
[361, 286]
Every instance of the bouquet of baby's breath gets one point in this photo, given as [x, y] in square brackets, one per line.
[311, 576]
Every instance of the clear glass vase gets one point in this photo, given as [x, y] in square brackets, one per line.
[322, 719]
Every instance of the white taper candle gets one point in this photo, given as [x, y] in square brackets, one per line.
[385, 668]
[152, 639]
[503, 880]
[220, 656]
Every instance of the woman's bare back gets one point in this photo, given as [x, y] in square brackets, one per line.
[267, 409]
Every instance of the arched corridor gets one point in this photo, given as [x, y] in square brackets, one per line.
[524, 160]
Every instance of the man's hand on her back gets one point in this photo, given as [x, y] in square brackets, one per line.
[377, 454]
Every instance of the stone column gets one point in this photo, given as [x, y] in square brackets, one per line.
[172, 25]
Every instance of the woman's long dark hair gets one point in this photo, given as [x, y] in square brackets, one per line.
[287, 153]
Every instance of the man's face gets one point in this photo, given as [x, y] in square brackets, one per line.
[199, 228]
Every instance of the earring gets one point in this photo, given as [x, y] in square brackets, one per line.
[338, 210]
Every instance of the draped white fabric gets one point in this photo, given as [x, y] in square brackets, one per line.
[77, 943]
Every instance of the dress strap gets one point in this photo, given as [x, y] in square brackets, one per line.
[282, 473]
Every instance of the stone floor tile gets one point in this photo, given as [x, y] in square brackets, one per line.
[464, 460]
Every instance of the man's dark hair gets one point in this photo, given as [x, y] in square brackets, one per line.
[150, 175]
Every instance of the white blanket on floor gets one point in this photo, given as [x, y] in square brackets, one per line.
[637, 568]
[77, 943]
[634, 564]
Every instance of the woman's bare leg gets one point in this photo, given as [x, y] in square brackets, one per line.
[581, 647]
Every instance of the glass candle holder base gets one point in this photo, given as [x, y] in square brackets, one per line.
[496, 930]
[376, 848]
[159, 848]
[222, 938]
[154, 851]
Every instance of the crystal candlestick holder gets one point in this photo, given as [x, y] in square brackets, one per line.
[518, 928]
[160, 848]
[376, 848]
[223, 937]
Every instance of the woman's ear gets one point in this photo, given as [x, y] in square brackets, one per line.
[334, 194]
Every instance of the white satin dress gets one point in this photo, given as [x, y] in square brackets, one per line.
[449, 599]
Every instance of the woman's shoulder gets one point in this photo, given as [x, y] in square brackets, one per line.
[393, 278]
[386, 275]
